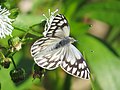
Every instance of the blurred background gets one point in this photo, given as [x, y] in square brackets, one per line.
[96, 26]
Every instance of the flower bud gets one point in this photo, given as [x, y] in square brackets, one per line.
[17, 75]
[15, 43]
[38, 72]
[6, 62]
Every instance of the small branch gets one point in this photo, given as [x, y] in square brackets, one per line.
[29, 31]
[13, 62]
[10, 55]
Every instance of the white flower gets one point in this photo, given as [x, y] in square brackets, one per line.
[5, 23]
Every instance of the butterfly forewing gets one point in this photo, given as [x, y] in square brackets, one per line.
[44, 53]
[43, 44]
[74, 64]
[58, 28]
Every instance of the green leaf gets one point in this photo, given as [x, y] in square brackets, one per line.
[25, 22]
[21, 61]
[14, 13]
[78, 28]
[0, 86]
[70, 7]
[111, 18]
[95, 85]
[105, 11]
[114, 39]
[67, 82]
[103, 63]
[2, 1]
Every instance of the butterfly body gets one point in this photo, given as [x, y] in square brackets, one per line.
[55, 49]
[63, 42]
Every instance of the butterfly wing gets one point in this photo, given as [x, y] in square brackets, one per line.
[74, 64]
[58, 27]
[44, 53]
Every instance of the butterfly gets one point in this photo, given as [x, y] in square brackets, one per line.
[55, 49]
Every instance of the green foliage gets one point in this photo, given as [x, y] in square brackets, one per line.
[103, 62]
[102, 56]
[24, 23]
[105, 11]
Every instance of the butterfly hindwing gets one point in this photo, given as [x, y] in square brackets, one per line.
[74, 64]
[50, 60]
[59, 27]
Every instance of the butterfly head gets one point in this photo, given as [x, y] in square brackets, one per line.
[72, 40]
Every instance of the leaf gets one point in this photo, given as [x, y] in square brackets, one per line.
[67, 82]
[24, 22]
[103, 63]
[114, 39]
[0, 86]
[14, 13]
[21, 61]
[105, 11]
[70, 7]
[95, 85]
[111, 18]
[78, 28]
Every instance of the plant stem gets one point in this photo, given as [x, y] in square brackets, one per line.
[30, 31]
[10, 55]
[13, 62]
[25, 34]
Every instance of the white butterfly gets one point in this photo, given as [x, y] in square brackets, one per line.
[55, 49]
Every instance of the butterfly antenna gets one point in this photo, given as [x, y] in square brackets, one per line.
[49, 20]
[52, 13]
[46, 19]
[45, 16]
